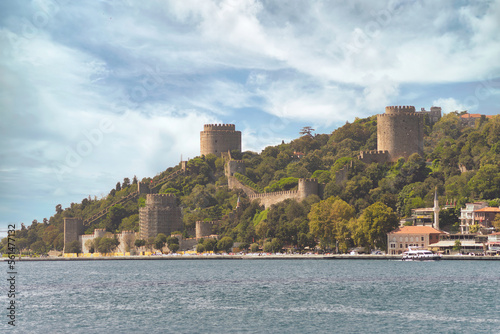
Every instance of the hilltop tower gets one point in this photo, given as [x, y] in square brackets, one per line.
[219, 138]
[400, 132]
[160, 215]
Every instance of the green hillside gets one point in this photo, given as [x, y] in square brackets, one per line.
[357, 212]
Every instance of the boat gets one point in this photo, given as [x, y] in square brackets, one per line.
[420, 255]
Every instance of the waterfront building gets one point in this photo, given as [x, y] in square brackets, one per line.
[467, 215]
[494, 243]
[400, 239]
[469, 243]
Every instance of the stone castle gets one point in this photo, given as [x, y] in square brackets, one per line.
[399, 135]
[160, 215]
[219, 138]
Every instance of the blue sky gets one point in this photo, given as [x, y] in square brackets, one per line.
[92, 92]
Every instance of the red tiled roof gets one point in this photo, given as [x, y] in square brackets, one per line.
[416, 230]
[488, 209]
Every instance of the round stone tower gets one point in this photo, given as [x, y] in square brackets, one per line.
[400, 131]
[218, 138]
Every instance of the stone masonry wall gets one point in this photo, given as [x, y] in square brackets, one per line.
[160, 215]
[73, 227]
[400, 132]
[219, 138]
[306, 187]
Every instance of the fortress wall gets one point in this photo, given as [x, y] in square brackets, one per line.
[400, 132]
[73, 227]
[233, 183]
[373, 156]
[187, 244]
[160, 215]
[341, 175]
[204, 229]
[307, 187]
[162, 200]
[234, 166]
[268, 199]
[142, 188]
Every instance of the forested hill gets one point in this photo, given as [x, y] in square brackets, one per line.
[373, 194]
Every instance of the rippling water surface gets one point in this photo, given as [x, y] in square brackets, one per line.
[258, 296]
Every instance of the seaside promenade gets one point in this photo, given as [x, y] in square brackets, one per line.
[251, 257]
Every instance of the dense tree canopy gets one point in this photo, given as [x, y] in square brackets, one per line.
[461, 161]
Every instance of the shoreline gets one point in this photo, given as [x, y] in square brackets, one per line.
[252, 257]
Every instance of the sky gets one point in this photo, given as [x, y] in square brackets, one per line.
[95, 91]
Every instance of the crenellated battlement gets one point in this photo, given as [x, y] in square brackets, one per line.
[399, 109]
[373, 152]
[218, 139]
[275, 193]
[212, 222]
[410, 114]
[219, 127]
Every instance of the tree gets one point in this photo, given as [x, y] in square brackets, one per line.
[173, 248]
[139, 242]
[118, 186]
[171, 240]
[374, 224]
[276, 245]
[39, 247]
[306, 131]
[126, 183]
[457, 246]
[200, 248]
[474, 228]
[134, 180]
[254, 248]
[73, 247]
[114, 217]
[496, 222]
[328, 221]
[210, 244]
[59, 209]
[225, 244]
[267, 247]
[160, 241]
[107, 245]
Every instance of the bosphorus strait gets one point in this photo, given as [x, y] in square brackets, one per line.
[262, 296]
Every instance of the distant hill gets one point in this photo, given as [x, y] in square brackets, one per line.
[461, 160]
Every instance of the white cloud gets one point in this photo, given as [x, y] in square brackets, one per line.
[449, 105]
[159, 70]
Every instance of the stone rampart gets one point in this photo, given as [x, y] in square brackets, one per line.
[204, 229]
[399, 109]
[234, 166]
[373, 156]
[160, 215]
[234, 183]
[73, 227]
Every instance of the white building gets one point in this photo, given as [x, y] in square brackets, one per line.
[467, 215]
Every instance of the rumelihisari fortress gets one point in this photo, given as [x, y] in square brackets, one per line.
[399, 135]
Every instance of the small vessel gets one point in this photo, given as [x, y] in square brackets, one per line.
[420, 255]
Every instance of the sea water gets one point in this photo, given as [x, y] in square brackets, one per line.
[256, 296]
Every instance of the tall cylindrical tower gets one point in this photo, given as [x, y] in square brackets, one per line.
[218, 138]
[400, 131]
